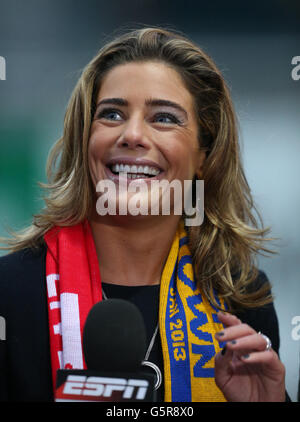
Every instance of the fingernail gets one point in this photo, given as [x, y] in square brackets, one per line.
[220, 333]
[233, 342]
[246, 356]
[223, 351]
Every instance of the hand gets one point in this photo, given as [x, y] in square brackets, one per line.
[246, 371]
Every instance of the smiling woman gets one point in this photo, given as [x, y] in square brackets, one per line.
[150, 106]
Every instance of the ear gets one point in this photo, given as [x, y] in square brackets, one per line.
[201, 157]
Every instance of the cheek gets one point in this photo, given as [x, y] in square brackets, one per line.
[100, 139]
[94, 147]
[93, 152]
[96, 152]
[97, 147]
[181, 160]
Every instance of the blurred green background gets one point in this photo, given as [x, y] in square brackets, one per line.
[18, 174]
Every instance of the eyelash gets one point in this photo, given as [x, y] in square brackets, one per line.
[103, 114]
[169, 116]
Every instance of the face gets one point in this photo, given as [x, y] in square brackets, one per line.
[144, 127]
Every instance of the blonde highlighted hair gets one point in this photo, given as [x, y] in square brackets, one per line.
[225, 246]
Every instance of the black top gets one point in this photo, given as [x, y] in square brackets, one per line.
[146, 298]
[25, 365]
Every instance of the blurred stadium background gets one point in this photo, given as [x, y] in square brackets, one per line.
[47, 43]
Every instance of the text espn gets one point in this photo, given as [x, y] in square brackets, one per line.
[105, 387]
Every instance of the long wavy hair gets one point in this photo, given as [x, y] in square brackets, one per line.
[225, 246]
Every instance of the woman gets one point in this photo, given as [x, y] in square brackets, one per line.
[150, 106]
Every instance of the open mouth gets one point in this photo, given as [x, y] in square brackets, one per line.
[135, 171]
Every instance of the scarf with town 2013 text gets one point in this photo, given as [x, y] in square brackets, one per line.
[187, 321]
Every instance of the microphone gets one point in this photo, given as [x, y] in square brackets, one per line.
[114, 345]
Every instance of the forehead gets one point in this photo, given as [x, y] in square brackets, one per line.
[145, 80]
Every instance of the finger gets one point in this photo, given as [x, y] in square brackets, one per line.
[223, 367]
[267, 357]
[225, 355]
[228, 319]
[247, 344]
[268, 362]
[234, 332]
[273, 370]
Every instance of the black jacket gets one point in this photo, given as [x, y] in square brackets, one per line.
[25, 368]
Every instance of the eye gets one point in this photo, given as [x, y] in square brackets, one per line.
[109, 114]
[166, 118]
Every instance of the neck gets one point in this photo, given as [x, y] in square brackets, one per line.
[133, 252]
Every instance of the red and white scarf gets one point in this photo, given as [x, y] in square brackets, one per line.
[73, 286]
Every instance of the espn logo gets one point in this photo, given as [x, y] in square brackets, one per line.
[102, 387]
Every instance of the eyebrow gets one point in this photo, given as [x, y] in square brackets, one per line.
[149, 102]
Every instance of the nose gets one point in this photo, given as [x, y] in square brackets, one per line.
[134, 134]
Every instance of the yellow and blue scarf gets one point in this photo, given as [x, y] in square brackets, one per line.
[188, 324]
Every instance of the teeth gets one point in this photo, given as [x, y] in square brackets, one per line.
[133, 176]
[135, 170]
